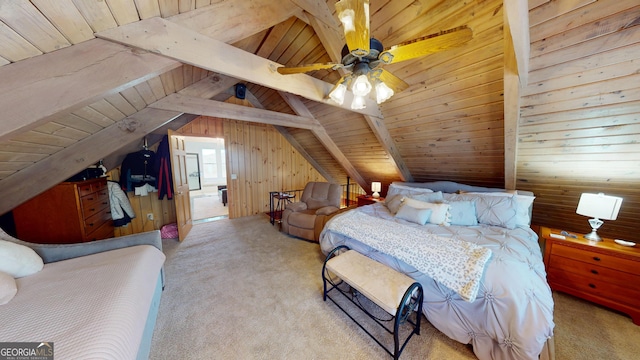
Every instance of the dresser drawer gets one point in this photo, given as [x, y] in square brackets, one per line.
[594, 287]
[96, 220]
[599, 259]
[103, 231]
[94, 203]
[595, 272]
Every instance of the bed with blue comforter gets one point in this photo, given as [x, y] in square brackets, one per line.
[475, 255]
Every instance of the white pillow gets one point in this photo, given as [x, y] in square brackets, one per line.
[491, 210]
[524, 203]
[394, 202]
[439, 212]
[8, 288]
[463, 213]
[18, 260]
[418, 216]
[395, 189]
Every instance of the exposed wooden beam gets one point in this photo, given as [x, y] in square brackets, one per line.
[180, 43]
[199, 106]
[69, 161]
[382, 133]
[253, 100]
[35, 90]
[228, 20]
[209, 87]
[516, 16]
[321, 134]
[319, 10]
[512, 87]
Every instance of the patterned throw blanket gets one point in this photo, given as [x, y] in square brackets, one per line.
[457, 264]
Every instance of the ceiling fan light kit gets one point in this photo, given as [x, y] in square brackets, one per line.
[364, 56]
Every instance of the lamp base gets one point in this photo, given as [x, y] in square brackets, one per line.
[593, 236]
[376, 195]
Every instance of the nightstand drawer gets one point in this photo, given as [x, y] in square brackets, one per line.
[594, 272]
[594, 287]
[591, 257]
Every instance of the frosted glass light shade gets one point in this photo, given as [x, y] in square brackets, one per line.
[383, 92]
[599, 206]
[376, 187]
[358, 103]
[361, 86]
[338, 93]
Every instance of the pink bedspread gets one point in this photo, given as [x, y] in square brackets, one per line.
[90, 307]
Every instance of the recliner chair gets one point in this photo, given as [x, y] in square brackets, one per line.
[318, 203]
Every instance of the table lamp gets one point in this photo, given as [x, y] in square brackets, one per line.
[376, 187]
[598, 206]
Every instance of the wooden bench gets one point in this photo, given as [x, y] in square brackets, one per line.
[394, 292]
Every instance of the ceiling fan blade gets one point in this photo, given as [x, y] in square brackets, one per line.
[392, 81]
[426, 45]
[354, 15]
[286, 70]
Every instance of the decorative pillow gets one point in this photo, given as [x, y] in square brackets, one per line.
[463, 213]
[524, 204]
[394, 202]
[418, 216]
[395, 189]
[18, 260]
[8, 288]
[491, 210]
[439, 212]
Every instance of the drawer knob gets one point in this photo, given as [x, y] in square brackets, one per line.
[594, 271]
[91, 224]
[592, 286]
[90, 199]
[596, 258]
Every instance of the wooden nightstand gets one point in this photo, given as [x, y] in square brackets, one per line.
[603, 272]
[368, 200]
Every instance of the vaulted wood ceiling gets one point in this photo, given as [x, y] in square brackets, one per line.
[84, 80]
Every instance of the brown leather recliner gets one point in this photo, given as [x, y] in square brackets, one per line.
[306, 218]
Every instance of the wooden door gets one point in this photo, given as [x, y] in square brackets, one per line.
[180, 184]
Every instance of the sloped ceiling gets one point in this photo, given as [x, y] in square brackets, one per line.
[85, 80]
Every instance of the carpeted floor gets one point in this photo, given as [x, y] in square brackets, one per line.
[239, 289]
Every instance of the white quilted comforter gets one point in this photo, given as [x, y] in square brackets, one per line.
[90, 307]
[512, 315]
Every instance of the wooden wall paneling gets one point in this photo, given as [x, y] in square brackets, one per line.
[147, 8]
[97, 14]
[579, 125]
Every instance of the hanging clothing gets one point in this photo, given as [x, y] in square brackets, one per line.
[163, 167]
[138, 169]
[121, 210]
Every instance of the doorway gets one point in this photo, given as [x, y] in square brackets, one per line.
[207, 171]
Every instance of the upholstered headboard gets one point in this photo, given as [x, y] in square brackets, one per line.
[454, 187]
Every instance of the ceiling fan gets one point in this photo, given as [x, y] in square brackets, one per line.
[364, 56]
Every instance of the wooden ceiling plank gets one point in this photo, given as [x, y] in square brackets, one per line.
[31, 88]
[189, 47]
[14, 47]
[124, 11]
[66, 18]
[274, 37]
[199, 106]
[147, 8]
[97, 14]
[120, 103]
[25, 19]
[63, 164]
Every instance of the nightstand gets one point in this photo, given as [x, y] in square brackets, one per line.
[602, 272]
[368, 200]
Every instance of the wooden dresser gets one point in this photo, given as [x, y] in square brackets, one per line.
[368, 200]
[603, 272]
[70, 212]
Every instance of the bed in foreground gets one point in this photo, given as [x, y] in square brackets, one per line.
[491, 288]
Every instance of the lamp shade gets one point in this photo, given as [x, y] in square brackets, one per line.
[599, 206]
[376, 186]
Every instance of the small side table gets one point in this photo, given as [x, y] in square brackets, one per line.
[368, 200]
[603, 272]
[279, 201]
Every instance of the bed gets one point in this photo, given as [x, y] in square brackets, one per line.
[491, 289]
